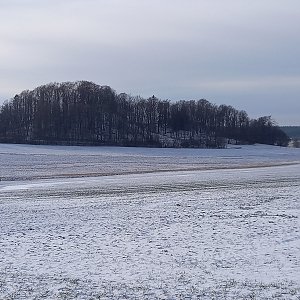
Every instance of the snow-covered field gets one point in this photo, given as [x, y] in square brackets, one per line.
[138, 223]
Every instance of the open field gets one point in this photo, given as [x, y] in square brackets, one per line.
[134, 223]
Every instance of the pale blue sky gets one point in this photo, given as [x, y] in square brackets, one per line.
[237, 52]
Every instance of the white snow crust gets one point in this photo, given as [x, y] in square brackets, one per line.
[140, 223]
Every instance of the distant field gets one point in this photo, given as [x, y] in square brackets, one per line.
[138, 223]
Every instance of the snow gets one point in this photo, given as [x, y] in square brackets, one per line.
[138, 223]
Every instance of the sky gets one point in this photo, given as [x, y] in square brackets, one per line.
[244, 53]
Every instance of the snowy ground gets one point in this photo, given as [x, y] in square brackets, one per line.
[134, 223]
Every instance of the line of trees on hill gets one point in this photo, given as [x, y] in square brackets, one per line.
[85, 113]
[294, 133]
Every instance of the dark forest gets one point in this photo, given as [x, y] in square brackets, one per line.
[84, 113]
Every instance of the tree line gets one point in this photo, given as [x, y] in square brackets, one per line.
[86, 113]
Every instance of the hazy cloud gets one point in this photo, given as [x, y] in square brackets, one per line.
[229, 51]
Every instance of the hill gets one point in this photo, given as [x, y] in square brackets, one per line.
[292, 131]
[86, 113]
